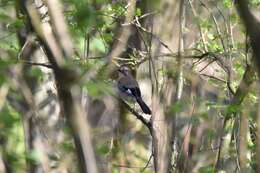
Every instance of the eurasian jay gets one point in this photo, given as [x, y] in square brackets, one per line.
[128, 87]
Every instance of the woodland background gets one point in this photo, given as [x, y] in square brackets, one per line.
[197, 63]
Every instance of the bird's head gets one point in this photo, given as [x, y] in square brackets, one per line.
[124, 70]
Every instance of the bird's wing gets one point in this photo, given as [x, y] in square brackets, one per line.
[135, 92]
[129, 86]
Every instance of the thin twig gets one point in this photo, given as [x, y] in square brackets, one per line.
[138, 18]
[214, 77]
[199, 27]
[147, 164]
[38, 64]
[207, 65]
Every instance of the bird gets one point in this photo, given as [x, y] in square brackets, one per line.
[128, 87]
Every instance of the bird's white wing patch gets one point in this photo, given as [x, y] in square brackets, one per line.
[129, 91]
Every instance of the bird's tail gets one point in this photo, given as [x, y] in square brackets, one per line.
[143, 106]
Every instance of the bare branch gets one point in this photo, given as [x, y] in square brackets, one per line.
[66, 86]
[137, 115]
[123, 34]
[148, 162]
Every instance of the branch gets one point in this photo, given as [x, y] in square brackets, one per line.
[147, 164]
[38, 64]
[253, 30]
[137, 115]
[123, 34]
[242, 91]
[213, 77]
[66, 80]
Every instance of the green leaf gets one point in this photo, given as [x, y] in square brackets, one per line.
[232, 109]
[255, 2]
[8, 117]
[37, 73]
[103, 150]
[211, 36]
[234, 18]
[108, 37]
[206, 24]
[115, 170]
[6, 63]
[17, 24]
[138, 12]
[176, 108]
[34, 156]
[68, 146]
[227, 3]
[119, 9]
[98, 45]
[97, 88]
[195, 120]
[207, 169]
[4, 17]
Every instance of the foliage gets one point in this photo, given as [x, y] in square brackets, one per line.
[208, 111]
